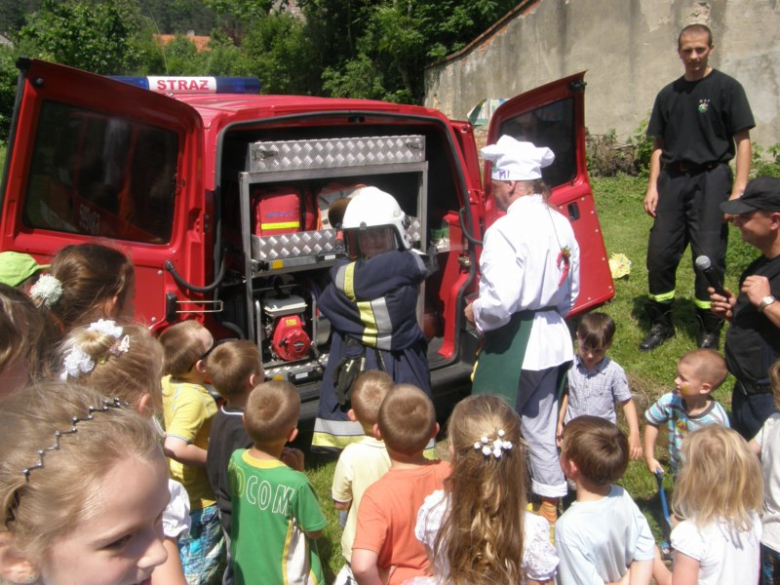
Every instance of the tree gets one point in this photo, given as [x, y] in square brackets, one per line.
[95, 37]
[380, 48]
[182, 58]
[12, 14]
[180, 16]
[238, 15]
[281, 54]
[359, 48]
[8, 76]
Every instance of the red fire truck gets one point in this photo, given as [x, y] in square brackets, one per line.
[220, 196]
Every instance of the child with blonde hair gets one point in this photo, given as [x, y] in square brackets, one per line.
[188, 410]
[86, 282]
[360, 464]
[717, 499]
[123, 358]
[83, 484]
[127, 360]
[276, 515]
[691, 406]
[766, 444]
[477, 529]
[385, 547]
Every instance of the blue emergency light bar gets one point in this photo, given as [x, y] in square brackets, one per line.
[193, 85]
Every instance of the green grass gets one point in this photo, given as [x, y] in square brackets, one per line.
[321, 478]
[625, 227]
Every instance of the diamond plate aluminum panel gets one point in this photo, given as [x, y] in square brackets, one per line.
[414, 231]
[334, 153]
[313, 243]
[309, 244]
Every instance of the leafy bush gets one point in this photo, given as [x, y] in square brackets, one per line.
[8, 76]
[94, 37]
[643, 148]
[607, 158]
[766, 163]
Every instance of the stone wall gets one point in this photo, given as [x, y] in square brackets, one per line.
[628, 47]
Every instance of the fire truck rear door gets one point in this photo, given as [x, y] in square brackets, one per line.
[554, 116]
[93, 159]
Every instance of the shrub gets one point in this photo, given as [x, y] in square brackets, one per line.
[765, 163]
[643, 148]
[607, 158]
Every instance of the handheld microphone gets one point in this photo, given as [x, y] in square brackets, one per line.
[704, 266]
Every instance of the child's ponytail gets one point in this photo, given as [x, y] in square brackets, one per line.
[123, 357]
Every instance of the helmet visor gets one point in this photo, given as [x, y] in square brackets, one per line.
[370, 241]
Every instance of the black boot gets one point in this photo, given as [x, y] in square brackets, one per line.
[661, 327]
[709, 329]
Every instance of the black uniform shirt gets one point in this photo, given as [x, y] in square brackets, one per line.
[752, 341]
[697, 120]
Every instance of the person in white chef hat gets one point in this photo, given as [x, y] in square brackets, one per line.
[529, 281]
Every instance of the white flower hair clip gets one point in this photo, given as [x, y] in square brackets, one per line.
[496, 448]
[77, 362]
[48, 289]
[106, 327]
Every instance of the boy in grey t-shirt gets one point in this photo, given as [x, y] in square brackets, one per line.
[595, 383]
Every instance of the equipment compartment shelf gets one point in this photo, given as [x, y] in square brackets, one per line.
[266, 256]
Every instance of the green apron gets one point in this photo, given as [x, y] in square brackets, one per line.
[500, 362]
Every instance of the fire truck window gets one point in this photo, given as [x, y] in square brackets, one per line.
[98, 175]
[552, 126]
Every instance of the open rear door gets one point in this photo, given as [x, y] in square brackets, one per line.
[554, 116]
[93, 159]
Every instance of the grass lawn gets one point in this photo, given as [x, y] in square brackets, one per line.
[625, 227]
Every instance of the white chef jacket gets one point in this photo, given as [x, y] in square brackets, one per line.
[519, 271]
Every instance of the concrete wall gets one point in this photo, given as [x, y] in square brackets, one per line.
[629, 48]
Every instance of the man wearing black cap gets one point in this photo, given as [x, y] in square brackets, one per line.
[753, 340]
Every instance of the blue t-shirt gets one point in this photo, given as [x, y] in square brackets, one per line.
[671, 409]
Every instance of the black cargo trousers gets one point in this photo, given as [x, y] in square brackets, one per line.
[688, 211]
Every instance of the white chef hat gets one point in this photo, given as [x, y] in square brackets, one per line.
[517, 161]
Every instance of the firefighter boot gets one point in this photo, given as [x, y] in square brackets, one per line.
[709, 329]
[661, 327]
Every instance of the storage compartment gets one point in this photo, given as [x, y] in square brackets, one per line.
[287, 253]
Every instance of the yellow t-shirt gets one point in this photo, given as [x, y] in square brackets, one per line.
[187, 410]
[360, 464]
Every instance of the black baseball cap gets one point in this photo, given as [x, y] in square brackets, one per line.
[761, 194]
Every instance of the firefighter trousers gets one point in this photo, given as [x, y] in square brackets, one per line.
[688, 211]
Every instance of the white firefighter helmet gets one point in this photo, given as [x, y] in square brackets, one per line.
[370, 207]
